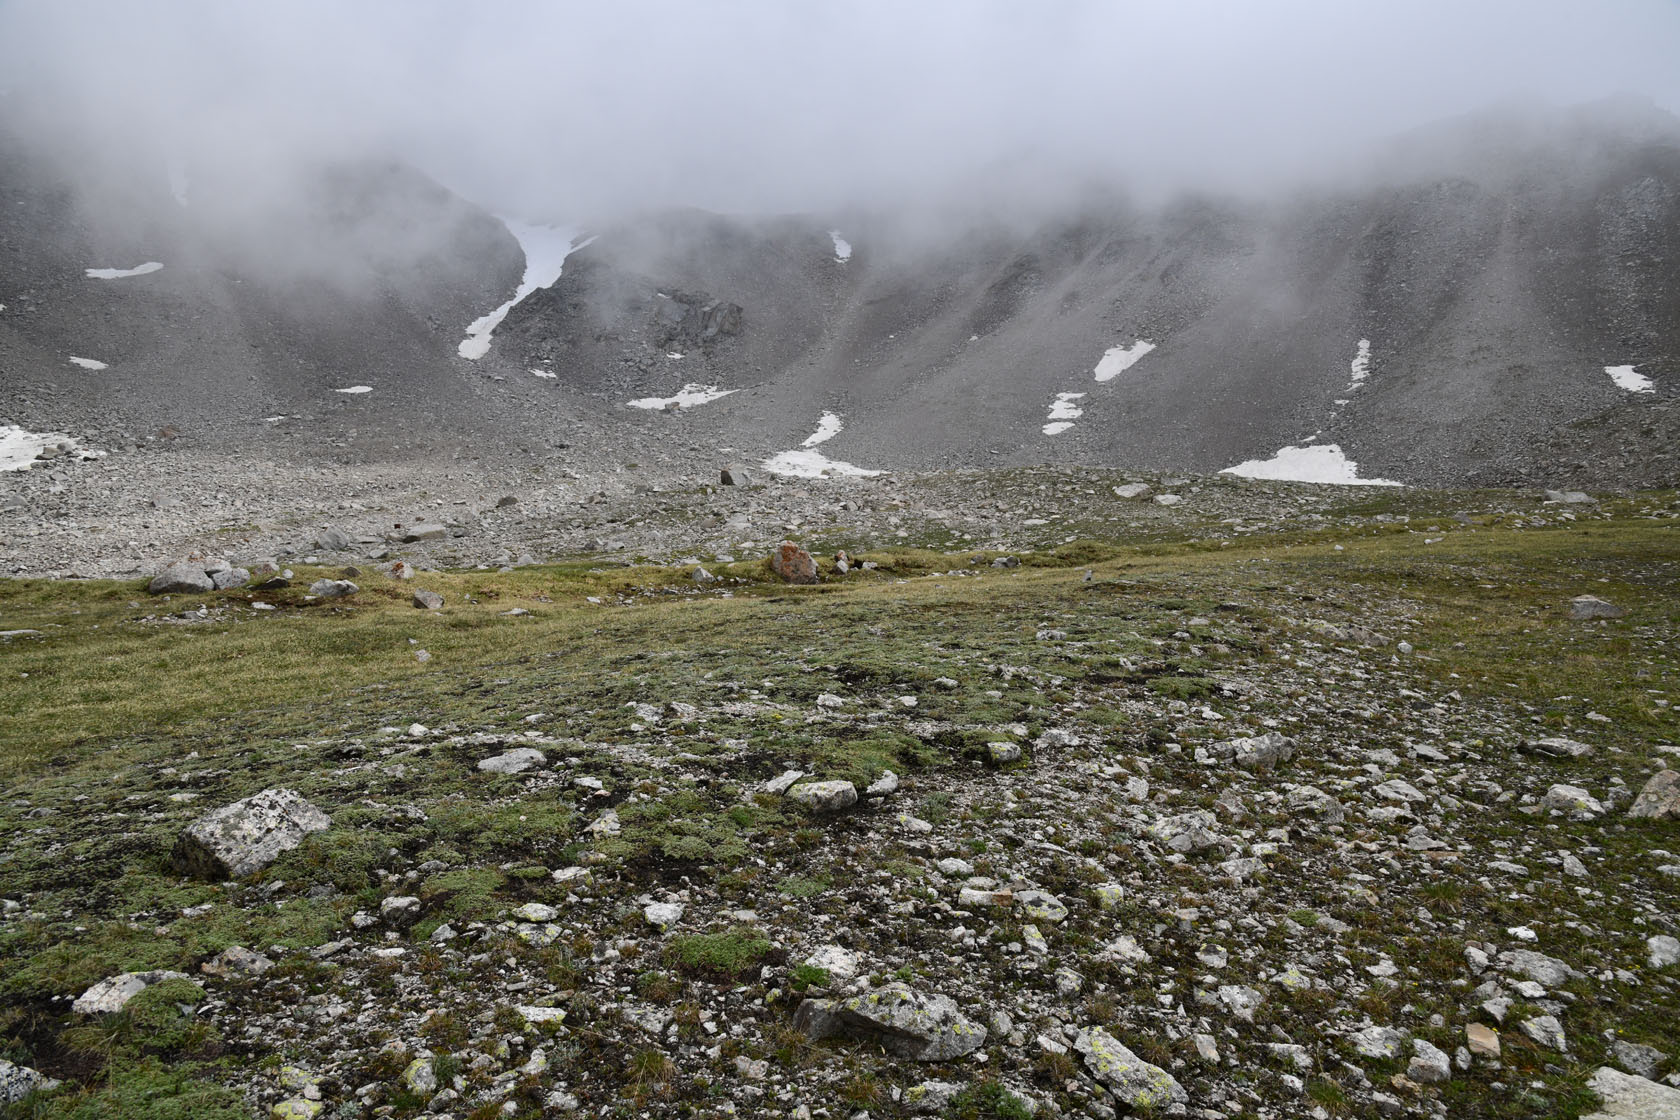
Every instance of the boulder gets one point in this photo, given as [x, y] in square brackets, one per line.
[735, 475]
[1132, 1080]
[1556, 746]
[398, 569]
[333, 588]
[229, 578]
[333, 540]
[1573, 800]
[793, 564]
[17, 1082]
[1632, 1098]
[1660, 799]
[1569, 497]
[907, 1024]
[427, 600]
[245, 837]
[1585, 607]
[181, 577]
[824, 797]
[114, 992]
[1663, 950]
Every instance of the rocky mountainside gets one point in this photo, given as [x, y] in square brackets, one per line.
[1497, 306]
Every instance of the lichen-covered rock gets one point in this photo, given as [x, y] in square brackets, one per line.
[793, 564]
[17, 1082]
[924, 1028]
[1123, 1073]
[245, 837]
[1660, 799]
[333, 588]
[824, 797]
[114, 992]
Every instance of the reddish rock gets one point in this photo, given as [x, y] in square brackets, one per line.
[793, 564]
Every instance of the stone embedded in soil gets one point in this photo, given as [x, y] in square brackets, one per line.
[1632, 1098]
[1131, 1079]
[243, 838]
[333, 588]
[1585, 607]
[516, 761]
[824, 797]
[427, 600]
[114, 992]
[17, 1082]
[905, 1023]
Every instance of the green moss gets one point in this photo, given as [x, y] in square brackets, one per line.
[719, 956]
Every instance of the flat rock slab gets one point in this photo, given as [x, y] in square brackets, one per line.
[1127, 1076]
[516, 761]
[245, 837]
[1632, 1098]
[114, 992]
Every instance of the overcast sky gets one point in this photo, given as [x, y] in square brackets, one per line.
[558, 109]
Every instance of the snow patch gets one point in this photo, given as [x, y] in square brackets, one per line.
[356, 390]
[1360, 367]
[119, 273]
[687, 397]
[842, 247]
[1062, 412]
[805, 463]
[545, 373]
[1625, 378]
[1323, 464]
[827, 428]
[88, 363]
[20, 449]
[546, 249]
[1118, 359]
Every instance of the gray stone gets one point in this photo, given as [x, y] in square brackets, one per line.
[1537, 967]
[181, 577]
[1569, 497]
[908, 1024]
[1041, 905]
[1644, 1061]
[883, 786]
[427, 600]
[17, 1082]
[1186, 832]
[1378, 1042]
[1557, 747]
[783, 782]
[663, 915]
[1583, 608]
[1664, 950]
[1315, 802]
[425, 531]
[1429, 1065]
[735, 475]
[1574, 801]
[1002, 754]
[1546, 1031]
[1659, 800]
[333, 540]
[236, 960]
[333, 588]
[245, 837]
[114, 992]
[824, 797]
[1131, 1079]
[229, 578]
[516, 761]
[931, 1096]
[1632, 1098]
[1132, 490]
